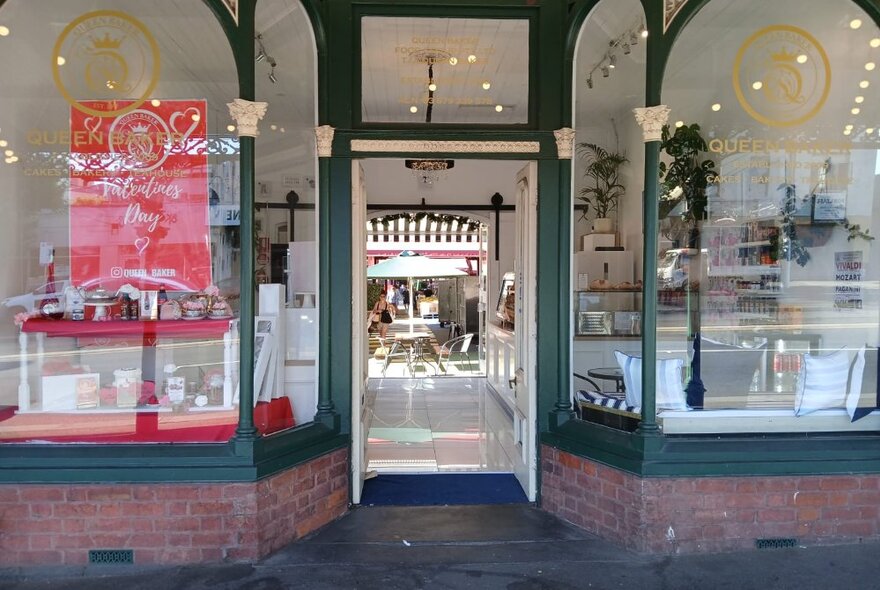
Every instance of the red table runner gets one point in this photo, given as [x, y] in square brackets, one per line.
[151, 329]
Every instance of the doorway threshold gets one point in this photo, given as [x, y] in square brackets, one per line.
[442, 489]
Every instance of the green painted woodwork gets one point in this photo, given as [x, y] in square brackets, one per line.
[649, 288]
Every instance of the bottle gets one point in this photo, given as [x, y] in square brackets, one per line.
[134, 309]
[161, 299]
[124, 307]
[50, 307]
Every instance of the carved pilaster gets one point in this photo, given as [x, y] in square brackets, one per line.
[324, 139]
[564, 142]
[247, 115]
[652, 120]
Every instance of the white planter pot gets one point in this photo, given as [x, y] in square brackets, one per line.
[603, 225]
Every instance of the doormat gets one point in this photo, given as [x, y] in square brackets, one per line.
[442, 489]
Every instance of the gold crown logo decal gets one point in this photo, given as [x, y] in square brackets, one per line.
[140, 128]
[107, 42]
[784, 56]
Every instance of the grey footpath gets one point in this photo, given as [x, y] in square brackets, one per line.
[514, 547]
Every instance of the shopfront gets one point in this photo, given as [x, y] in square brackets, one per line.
[706, 311]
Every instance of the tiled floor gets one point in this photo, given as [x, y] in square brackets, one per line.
[437, 424]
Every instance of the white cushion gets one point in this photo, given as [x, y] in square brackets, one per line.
[822, 382]
[861, 399]
[670, 391]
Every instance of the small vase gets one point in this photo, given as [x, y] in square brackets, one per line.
[603, 225]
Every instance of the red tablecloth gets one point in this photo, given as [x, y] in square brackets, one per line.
[203, 328]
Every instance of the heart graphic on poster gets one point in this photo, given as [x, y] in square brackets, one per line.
[141, 244]
[92, 124]
[192, 114]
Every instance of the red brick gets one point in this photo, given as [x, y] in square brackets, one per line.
[865, 498]
[9, 494]
[210, 508]
[109, 494]
[38, 526]
[41, 510]
[861, 529]
[808, 514]
[41, 558]
[810, 499]
[776, 515]
[147, 541]
[75, 510]
[41, 541]
[29, 493]
[839, 483]
[715, 485]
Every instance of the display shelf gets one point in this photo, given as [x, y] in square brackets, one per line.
[743, 271]
[758, 292]
[757, 244]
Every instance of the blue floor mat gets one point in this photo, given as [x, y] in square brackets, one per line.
[441, 489]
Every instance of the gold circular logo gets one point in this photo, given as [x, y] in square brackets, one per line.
[109, 56]
[781, 76]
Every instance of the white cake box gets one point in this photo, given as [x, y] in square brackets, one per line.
[593, 241]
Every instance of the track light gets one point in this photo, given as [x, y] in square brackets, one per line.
[590, 82]
[612, 61]
[261, 55]
[605, 71]
[626, 48]
[272, 77]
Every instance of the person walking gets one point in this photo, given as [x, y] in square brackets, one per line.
[384, 312]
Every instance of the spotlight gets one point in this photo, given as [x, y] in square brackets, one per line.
[605, 71]
[261, 55]
[272, 77]
[590, 82]
[633, 38]
[612, 61]
[626, 48]
[643, 32]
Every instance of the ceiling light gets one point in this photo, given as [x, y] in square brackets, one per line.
[261, 55]
[716, 107]
[414, 109]
[432, 87]
[429, 171]
[14, 159]
[60, 60]
[486, 85]
[626, 48]
[855, 110]
[855, 23]
[847, 131]
[605, 71]
[453, 60]
[472, 59]
[196, 117]
[272, 77]
[4, 31]
[864, 84]
[3, 143]
[498, 108]
[870, 66]
[869, 130]
[633, 38]
[230, 128]
[612, 61]
[860, 99]
[643, 32]
[9, 153]
[273, 127]
[757, 85]
[282, 130]
[875, 42]
[848, 126]
[802, 59]
[155, 102]
[590, 82]
[679, 123]
[9, 160]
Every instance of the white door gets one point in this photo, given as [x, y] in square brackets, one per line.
[525, 336]
[360, 343]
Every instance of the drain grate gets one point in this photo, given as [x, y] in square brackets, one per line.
[782, 543]
[108, 556]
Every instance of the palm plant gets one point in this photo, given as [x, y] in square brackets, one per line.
[604, 189]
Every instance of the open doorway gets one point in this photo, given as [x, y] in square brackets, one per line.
[448, 385]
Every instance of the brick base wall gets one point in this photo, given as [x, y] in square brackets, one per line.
[689, 515]
[171, 523]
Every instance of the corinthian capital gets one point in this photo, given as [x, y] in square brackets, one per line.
[324, 138]
[652, 120]
[564, 142]
[247, 115]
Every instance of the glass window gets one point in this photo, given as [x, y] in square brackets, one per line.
[444, 70]
[286, 215]
[120, 271]
[608, 179]
[767, 215]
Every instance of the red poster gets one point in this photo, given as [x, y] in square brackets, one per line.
[139, 197]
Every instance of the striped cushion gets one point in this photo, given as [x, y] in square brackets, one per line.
[822, 383]
[617, 402]
[670, 390]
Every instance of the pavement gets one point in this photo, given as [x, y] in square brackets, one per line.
[514, 547]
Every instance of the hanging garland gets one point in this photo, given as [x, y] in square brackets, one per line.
[440, 218]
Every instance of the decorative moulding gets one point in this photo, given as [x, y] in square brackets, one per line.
[652, 120]
[232, 6]
[670, 9]
[458, 147]
[247, 115]
[324, 139]
[564, 142]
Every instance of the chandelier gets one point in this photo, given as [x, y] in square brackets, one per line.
[429, 171]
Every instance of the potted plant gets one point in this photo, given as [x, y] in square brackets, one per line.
[603, 191]
[684, 179]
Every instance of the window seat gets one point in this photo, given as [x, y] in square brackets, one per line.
[763, 420]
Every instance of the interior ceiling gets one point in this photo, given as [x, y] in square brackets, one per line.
[396, 52]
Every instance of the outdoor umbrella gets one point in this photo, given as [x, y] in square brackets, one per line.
[410, 265]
